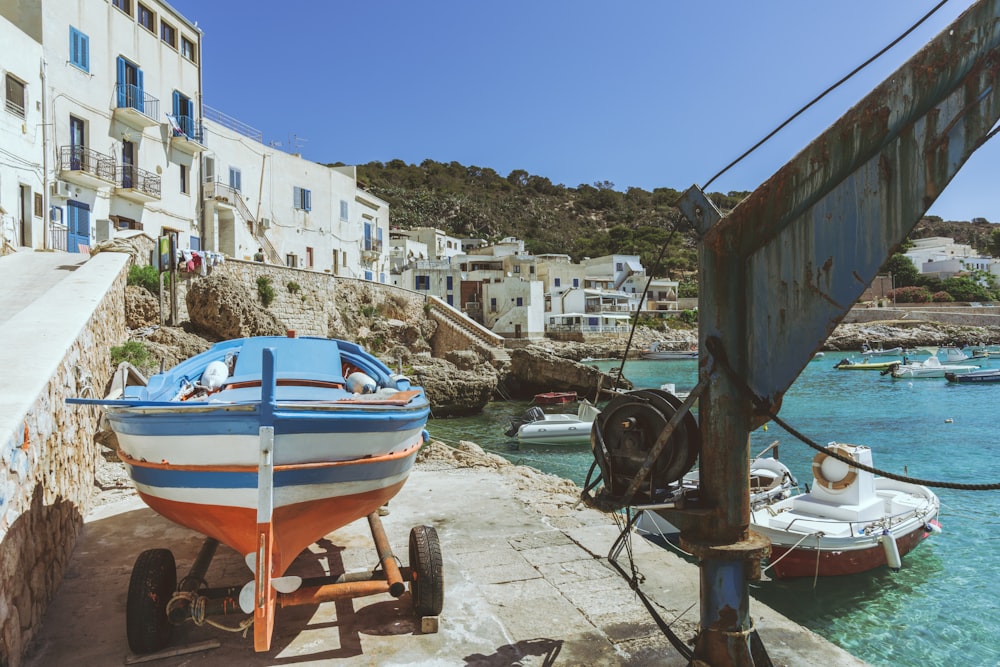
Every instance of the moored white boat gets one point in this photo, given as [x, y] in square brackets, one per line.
[538, 427]
[670, 350]
[928, 368]
[982, 375]
[879, 351]
[849, 522]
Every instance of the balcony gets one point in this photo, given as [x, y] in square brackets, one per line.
[135, 108]
[137, 184]
[85, 166]
[187, 134]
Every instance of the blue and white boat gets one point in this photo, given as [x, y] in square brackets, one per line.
[269, 441]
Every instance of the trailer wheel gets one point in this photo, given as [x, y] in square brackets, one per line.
[427, 577]
[153, 582]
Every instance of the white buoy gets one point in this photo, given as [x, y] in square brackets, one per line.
[892, 558]
[361, 383]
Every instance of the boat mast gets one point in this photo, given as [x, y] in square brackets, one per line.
[779, 272]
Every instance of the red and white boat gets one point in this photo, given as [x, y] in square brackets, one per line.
[555, 397]
[849, 522]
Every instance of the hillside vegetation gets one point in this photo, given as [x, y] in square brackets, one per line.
[582, 221]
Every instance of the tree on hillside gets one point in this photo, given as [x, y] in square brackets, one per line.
[904, 273]
[993, 244]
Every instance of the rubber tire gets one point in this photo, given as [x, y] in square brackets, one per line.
[426, 571]
[153, 582]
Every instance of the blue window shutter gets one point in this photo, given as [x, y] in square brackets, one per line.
[308, 200]
[177, 108]
[139, 103]
[190, 114]
[86, 51]
[121, 82]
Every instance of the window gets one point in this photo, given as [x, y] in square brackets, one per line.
[235, 179]
[343, 210]
[195, 243]
[38, 204]
[309, 258]
[187, 49]
[449, 283]
[451, 300]
[493, 305]
[368, 236]
[520, 301]
[422, 282]
[369, 275]
[184, 115]
[146, 18]
[302, 198]
[14, 96]
[517, 268]
[576, 282]
[618, 266]
[168, 34]
[79, 49]
[184, 178]
[556, 282]
[291, 261]
[123, 5]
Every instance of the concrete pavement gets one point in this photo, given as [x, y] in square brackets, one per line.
[527, 582]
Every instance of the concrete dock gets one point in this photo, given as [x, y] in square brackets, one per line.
[527, 582]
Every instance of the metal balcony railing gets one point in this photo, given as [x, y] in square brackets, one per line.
[13, 107]
[87, 160]
[57, 236]
[133, 178]
[191, 128]
[128, 96]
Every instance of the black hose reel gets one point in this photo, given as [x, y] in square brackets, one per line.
[626, 431]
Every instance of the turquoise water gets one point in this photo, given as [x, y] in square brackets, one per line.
[939, 609]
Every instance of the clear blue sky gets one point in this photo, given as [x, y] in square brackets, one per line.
[644, 93]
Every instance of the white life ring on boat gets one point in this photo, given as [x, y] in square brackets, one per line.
[821, 479]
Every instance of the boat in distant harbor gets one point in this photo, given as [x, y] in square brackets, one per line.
[851, 365]
[928, 368]
[982, 375]
[849, 522]
[555, 397]
[670, 350]
[538, 428]
[879, 351]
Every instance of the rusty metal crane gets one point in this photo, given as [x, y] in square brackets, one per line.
[779, 272]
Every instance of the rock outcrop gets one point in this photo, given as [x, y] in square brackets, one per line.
[535, 369]
[224, 308]
[892, 333]
[452, 391]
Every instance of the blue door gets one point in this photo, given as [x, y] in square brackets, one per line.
[78, 225]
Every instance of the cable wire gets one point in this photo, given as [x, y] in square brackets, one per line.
[825, 93]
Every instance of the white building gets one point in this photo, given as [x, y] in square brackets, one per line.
[23, 201]
[302, 214]
[937, 249]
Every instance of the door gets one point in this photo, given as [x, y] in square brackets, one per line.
[128, 164]
[130, 93]
[24, 212]
[77, 225]
[77, 159]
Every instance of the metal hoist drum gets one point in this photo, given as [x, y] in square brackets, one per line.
[625, 432]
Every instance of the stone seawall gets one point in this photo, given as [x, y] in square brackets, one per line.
[962, 315]
[59, 348]
[306, 301]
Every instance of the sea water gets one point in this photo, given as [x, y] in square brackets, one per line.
[940, 608]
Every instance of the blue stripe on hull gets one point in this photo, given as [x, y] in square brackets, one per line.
[196, 422]
[219, 479]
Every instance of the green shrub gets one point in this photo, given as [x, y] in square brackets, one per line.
[134, 352]
[368, 310]
[688, 316]
[293, 287]
[144, 276]
[265, 290]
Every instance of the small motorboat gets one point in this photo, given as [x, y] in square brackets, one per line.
[851, 365]
[555, 397]
[538, 428]
[849, 522]
[268, 444]
[666, 350]
[879, 351]
[928, 368]
[953, 355]
[981, 375]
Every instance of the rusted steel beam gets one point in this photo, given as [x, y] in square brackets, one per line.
[779, 273]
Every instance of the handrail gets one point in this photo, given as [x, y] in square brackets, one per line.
[474, 329]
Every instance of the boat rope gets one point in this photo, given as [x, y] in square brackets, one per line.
[196, 605]
[635, 578]
[764, 407]
[777, 560]
[825, 93]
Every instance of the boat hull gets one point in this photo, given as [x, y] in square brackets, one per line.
[310, 501]
[788, 561]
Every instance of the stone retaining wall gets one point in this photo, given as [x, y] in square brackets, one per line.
[962, 315]
[49, 461]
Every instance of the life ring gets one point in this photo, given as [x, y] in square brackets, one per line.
[821, 457]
